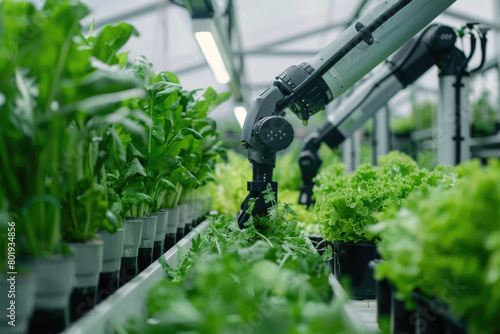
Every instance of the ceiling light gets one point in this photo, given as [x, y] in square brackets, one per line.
[240, 113]
[213, 56]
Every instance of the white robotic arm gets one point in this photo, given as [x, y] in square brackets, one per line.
[433, 47]
[307, 88]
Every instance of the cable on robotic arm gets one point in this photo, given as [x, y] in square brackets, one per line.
[458, 86]
[484, 40]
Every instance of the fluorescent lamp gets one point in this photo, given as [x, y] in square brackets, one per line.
[240, 113]
[213, 56]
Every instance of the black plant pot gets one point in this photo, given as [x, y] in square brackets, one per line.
[351, 260]
[128, 270]
[144, 258]
[435, 317]
[180, 233]
[383, 289]
[383, 297]
[53, 284]
[157, 250]
[49, 321]
[187, 228]
[403, 321]
[108, 284]
[82, 300]
[88, 266]
[170, 241]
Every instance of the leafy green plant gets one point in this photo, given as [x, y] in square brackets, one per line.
[54, 83]
[180, 150]
[232, 277]
[446, 244]
[402, 125]
[86, 207]
[229, 188]
[346, 204]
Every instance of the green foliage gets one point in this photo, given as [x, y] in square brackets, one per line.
[486, 117]
[229, 188]
[88, 139]
[402, 125]
[58, 96]
[446, 244]
[346, 204]
[232, 280]
[427, 158]
[180, 150]
[287, 170]
[424, 114]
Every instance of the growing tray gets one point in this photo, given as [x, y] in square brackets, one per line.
[129, 300]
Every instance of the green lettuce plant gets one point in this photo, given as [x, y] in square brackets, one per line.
[446, 244]
[346, 204]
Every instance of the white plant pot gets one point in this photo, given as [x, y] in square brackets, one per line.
[181, 225]
[173, 221]
[20, 289]
[133, 233]
[54, 279]
[88, 260]
[189, 216]
[145, 255]
[148, 231]
[111, 262]
[53, 283]
[161, 231]
[112, 249]
[198, 209]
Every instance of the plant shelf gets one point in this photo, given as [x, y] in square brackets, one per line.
[129, 300]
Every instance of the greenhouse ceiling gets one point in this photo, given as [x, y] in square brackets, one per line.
[269, 35]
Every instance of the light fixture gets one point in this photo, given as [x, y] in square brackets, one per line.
[215, 29]
[213, 56]
[240, 112]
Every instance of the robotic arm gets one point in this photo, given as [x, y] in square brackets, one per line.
[307, 88]
[434, 46]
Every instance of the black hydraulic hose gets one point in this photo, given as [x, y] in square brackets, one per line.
[458, 86]
[355, 41]
[484, 40]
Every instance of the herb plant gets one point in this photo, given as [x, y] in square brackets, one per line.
[269, 280]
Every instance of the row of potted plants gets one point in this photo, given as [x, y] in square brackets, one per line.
[440, 253]
[87, 140]
[348, 204]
